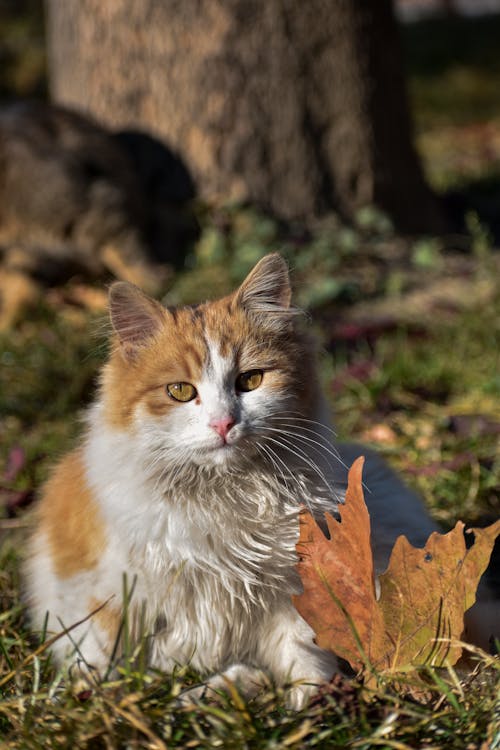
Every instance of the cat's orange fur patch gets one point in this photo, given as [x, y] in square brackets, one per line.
[176, 354]
[108, 618]
[179, 350]
[71, 520]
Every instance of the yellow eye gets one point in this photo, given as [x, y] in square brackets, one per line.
[181, 391]
[249, 381]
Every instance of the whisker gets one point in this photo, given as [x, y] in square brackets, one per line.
[304, 458]
[328, 448]
[318, 450]
[301, 418]
[274, 458]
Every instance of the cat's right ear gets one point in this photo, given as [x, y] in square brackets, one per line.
[135, 317]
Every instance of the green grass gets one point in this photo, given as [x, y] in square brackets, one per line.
[424, 390]
[414, 381]
[46, 375]
[140, 710]
[348, 716]
[453, 76]
[453, 70]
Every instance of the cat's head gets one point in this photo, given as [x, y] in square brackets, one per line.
[208, 385]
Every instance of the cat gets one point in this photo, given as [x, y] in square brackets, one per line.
[76, 198]
[208, 434]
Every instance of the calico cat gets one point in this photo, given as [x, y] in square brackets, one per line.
[208, 433]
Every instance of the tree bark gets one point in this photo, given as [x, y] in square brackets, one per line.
[300, 106]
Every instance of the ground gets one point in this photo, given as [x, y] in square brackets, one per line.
[410, 330]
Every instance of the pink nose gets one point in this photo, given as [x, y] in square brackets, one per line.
[222, 426]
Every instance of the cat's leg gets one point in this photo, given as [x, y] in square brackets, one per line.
[169, 649]
[286, 649]
[85, 626]
[281, 651]
[286, 654]
[88, 656]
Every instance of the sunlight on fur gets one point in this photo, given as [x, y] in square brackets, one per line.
[208, 434]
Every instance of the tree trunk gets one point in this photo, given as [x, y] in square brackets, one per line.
[299, 106]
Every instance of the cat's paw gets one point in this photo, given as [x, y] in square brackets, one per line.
[192, 696]
[298, 695]
[248, 681]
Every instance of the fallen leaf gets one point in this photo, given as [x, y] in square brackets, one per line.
[344, 692]
[84, 695]
[339, 600]
[425, 592]
[419, 615]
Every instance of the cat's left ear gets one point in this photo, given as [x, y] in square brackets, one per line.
[267, 288]
[135, 317]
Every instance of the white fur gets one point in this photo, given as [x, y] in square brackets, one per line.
[205, 533]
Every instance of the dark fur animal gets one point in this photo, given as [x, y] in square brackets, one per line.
[76, 198]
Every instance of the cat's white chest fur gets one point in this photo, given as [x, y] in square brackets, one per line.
[209, 562]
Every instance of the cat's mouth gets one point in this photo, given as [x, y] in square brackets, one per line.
[224, 453]
[221, 455]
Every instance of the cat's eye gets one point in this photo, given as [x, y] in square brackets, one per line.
[249, 381]
[181, 391]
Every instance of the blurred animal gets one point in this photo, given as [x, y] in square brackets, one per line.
[78, 199]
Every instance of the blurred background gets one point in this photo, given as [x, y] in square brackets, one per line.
[173, 144]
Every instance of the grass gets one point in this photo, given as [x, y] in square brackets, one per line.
[426, 394]
[416, 388]
[453, 74]
[454, 70]
[421, 384]
[119, 715]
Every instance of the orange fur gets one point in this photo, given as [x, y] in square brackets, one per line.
[179, 350]
[108, 618]
[70, 518]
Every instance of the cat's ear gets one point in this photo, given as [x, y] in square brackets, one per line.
[266, 289]
[135, 317]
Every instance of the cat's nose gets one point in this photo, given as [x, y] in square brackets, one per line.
[222, 426]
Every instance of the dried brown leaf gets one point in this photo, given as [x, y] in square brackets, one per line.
[419, 616]
[339, 600]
